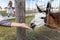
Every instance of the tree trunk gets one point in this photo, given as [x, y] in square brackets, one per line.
[20, 18]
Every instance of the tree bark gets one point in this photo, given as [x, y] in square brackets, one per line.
[20, 18]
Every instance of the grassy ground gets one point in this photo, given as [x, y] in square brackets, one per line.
[31, 11]
[27, 12]
[42, 33]
[3, 13]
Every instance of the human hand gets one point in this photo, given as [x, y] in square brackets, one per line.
[26, 26]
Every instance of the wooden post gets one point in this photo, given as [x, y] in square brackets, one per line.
[20, 18]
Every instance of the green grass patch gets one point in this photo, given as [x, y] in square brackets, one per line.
[42, 33]
[10, 33]
[3, 13]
